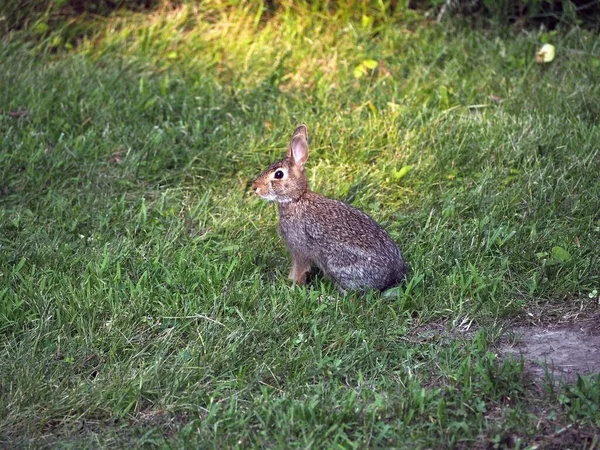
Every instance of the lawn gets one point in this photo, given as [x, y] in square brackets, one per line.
[144, 298]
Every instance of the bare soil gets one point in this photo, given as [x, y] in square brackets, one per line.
[565, 349]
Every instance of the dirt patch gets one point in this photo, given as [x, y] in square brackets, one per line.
[564, 350]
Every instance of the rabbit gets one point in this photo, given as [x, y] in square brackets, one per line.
[346, 244]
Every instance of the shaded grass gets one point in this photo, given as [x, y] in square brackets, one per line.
[143, 296]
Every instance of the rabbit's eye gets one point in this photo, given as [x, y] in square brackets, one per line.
[279, 174]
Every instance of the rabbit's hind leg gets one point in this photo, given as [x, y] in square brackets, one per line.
[300, 268]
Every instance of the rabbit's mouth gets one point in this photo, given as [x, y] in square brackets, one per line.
[268, 196]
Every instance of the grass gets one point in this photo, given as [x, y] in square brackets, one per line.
[143, 290]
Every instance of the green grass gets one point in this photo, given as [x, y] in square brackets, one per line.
[143, 288]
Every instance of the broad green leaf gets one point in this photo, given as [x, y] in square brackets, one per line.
[399, 174]
[370, 64]
[560, 254]
[358, 71]
[56, 41]
[41, 28]
[364, 67]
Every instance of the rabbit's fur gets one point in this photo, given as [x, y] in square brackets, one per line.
[345, 243]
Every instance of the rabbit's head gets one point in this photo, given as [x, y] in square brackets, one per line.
[285, 181]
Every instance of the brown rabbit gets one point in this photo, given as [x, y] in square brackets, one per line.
[345, 243]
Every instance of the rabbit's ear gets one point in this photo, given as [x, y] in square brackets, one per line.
[298, 150]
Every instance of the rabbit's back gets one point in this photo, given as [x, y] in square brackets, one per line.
[343, 241]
